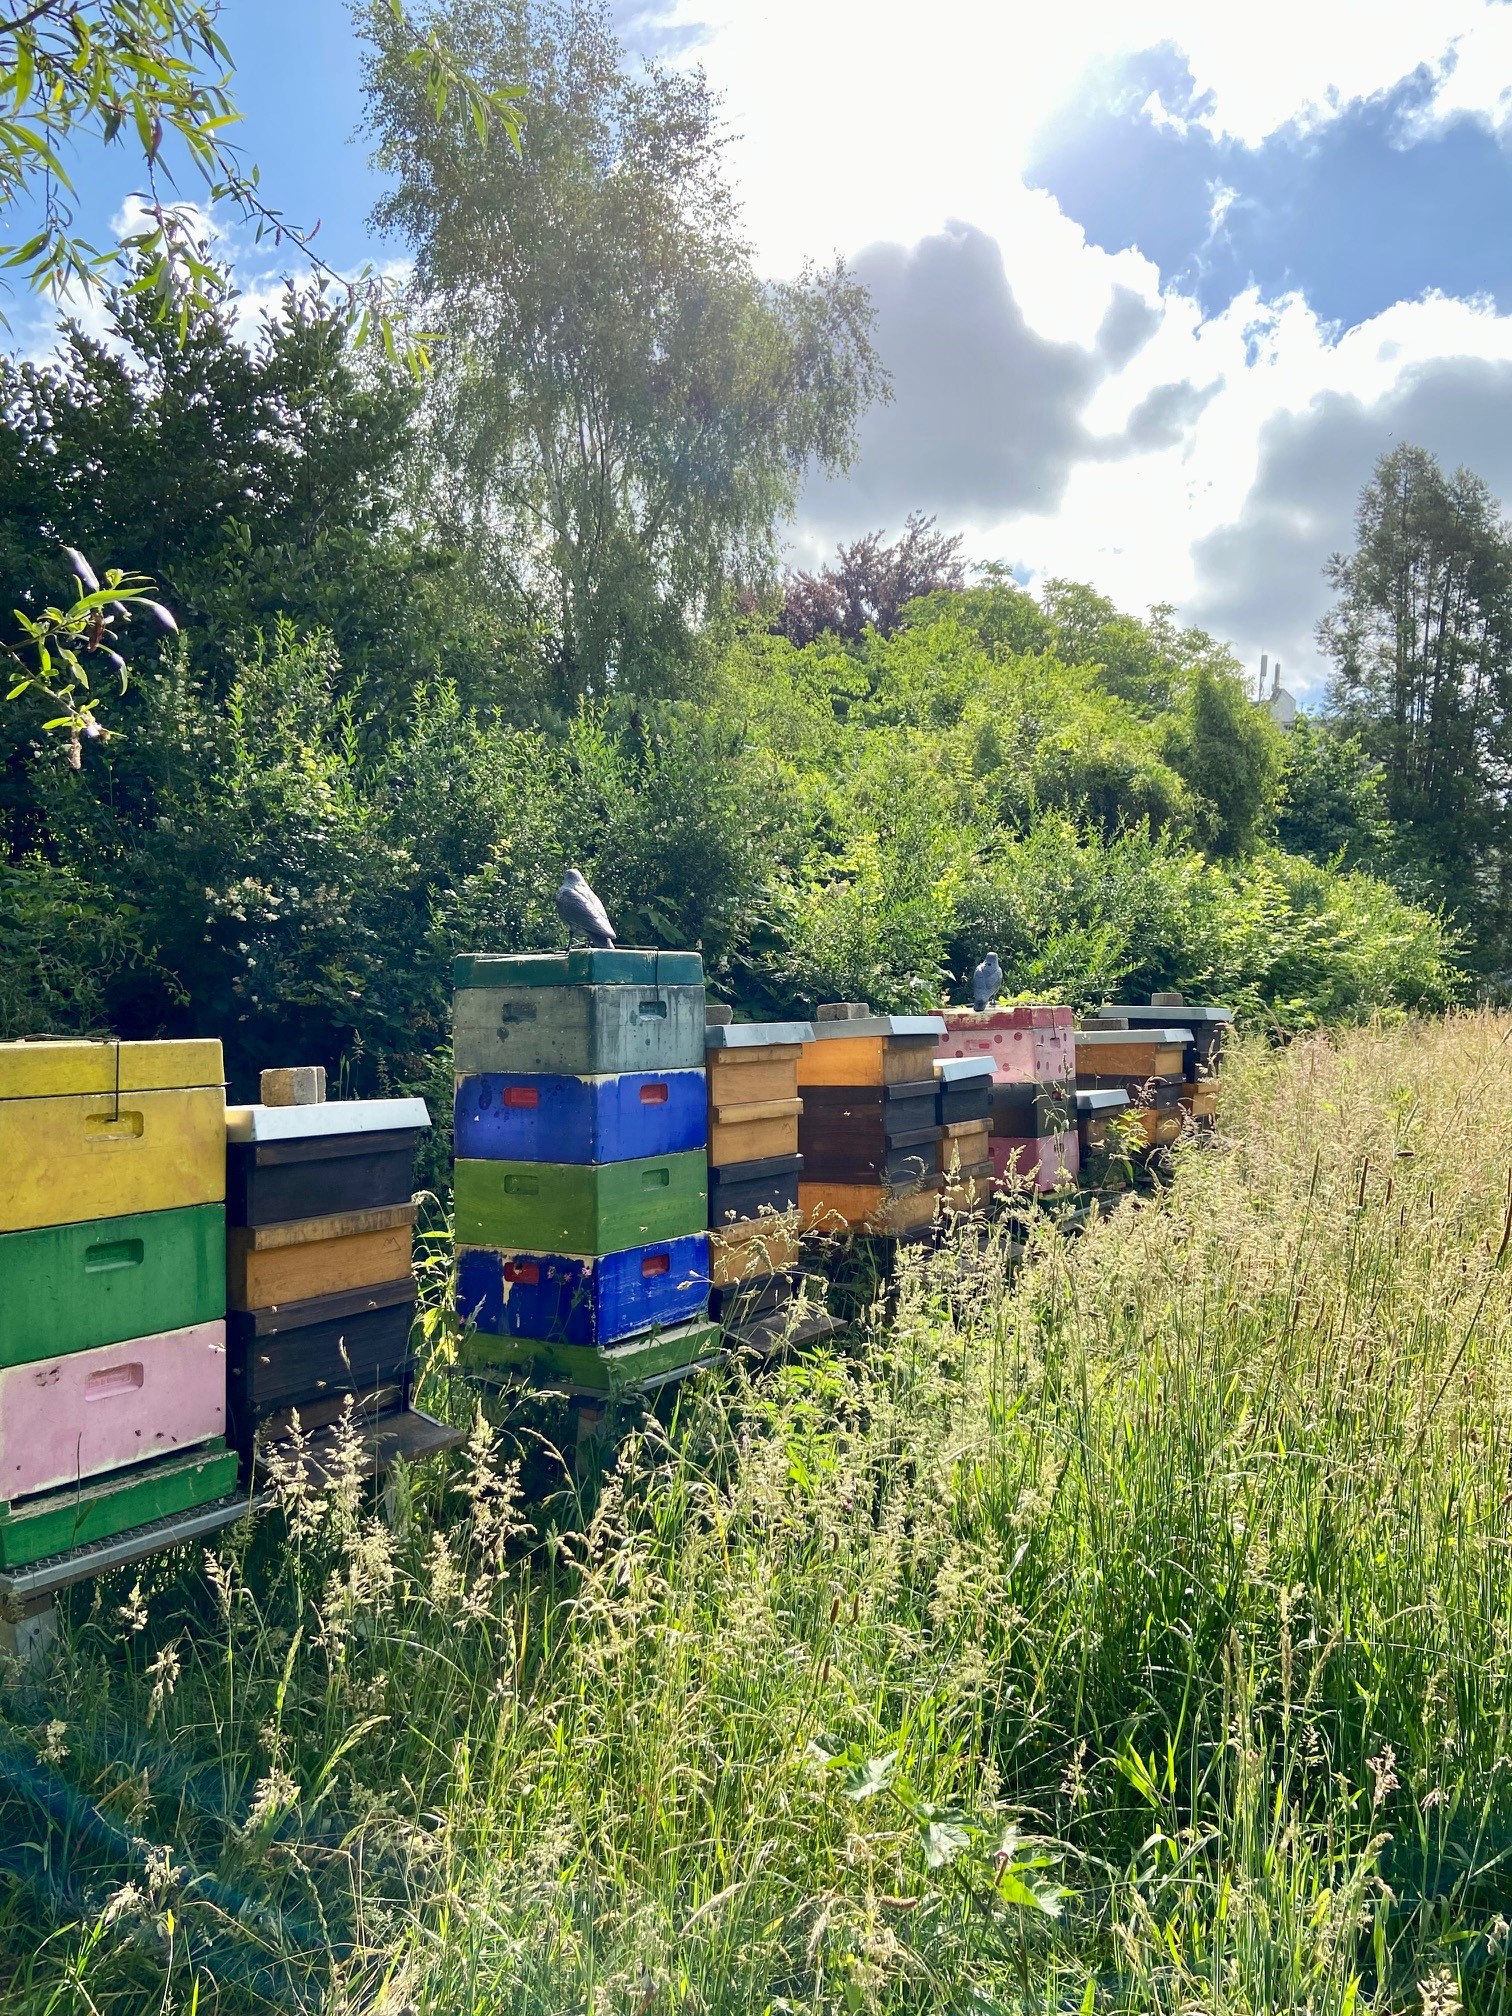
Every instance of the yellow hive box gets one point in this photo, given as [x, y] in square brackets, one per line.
[867, 1060]
[267, 1265]
[756, 1246]
[753, 1133]
[866, 1207]
[747, 1077]
[1201, 1101]
[1160, 1126]
[61, 1065]
[73, 1147]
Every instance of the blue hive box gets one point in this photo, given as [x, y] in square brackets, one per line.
[563, 1298]
[524, 1117]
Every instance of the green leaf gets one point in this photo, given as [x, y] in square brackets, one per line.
[943, 1840]
[873, 1776]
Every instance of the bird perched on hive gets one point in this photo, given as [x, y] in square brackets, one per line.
[986, 981]
[581, 911]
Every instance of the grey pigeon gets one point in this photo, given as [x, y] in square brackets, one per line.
[986, 981]
[581, 911]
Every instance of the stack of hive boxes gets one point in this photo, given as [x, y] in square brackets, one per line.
[112, 1290]
[1033, 1055]
[964, 1095]
[870, 1128]
[1206, 1030]
[319, 1266]
[754, 1167]
[1148, 1064]
[581, 1177]
[1104, 1158]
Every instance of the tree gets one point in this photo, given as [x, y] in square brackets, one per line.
[1332, 799]
[1229, 752]
[870, 584]
[627, 411]
[156, 75]
[246, 479]
[1421, 643]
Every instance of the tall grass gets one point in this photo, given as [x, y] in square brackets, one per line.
[1133, 1632]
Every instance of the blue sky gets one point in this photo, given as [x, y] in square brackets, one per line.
[1157, 280]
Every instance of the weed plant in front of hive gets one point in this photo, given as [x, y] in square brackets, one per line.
[1126, 1630]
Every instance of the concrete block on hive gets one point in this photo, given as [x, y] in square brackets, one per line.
[293, 1085]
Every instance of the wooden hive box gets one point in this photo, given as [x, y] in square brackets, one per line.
[874, 1133]
[1131, 1053]
[1097, 1110]
[965, 1143]
[286, 1162]
[761, 1131]
[575, 1207]
[870, 1050]
[1159, 1093]
[750, 1062]
[753, 1248]
[59, 1521]
[1023, 1108]
[513, 1117]
[298, 1258]
[868, 1207]
[64, 1419]
[1201, 1099]
[964, 1089]
[581, 1368]
[1209, 1027]
[75, 1287]
[561, 1013]
[1028, 1041]
[1045, 1162]
[747, 1189]
[312, 1351]
[580, 1299]
[762, 1296]
[108, 1130]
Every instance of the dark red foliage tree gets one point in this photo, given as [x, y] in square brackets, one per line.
[870, 583]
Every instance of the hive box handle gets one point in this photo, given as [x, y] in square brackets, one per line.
[113, 1380]
[656, 1179]
[108, 1130]
[522, 1095]
[526, 1271]
[522, 1186]
[653, 1095]
[112, 1253]
[652, 1011]
[656, 1263]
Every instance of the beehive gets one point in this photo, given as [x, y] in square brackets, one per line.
[1028, 1041]
[112, 1289]
[580, 1299]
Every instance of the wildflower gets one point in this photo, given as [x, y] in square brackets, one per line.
[1383, 1773]
[133, 1612]
[164, 1674]
[1439, 1995]
[54, 1749]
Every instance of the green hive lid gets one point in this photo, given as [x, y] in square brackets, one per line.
[585, 966]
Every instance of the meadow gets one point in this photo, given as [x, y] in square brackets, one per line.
[1126, 1629]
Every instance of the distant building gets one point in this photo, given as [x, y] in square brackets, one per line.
[1281, 704]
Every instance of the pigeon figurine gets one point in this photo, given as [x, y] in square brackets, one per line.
[986, 981]
[581, 911]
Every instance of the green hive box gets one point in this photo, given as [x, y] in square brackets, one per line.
[586, 1208]
[68, 1288]
[108, 1506]
[619, 966]
[578, 1032]
[581, 1366]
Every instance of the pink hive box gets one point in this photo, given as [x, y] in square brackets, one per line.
[1046, 1163]
[62, 1419]
[1023, 1043]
